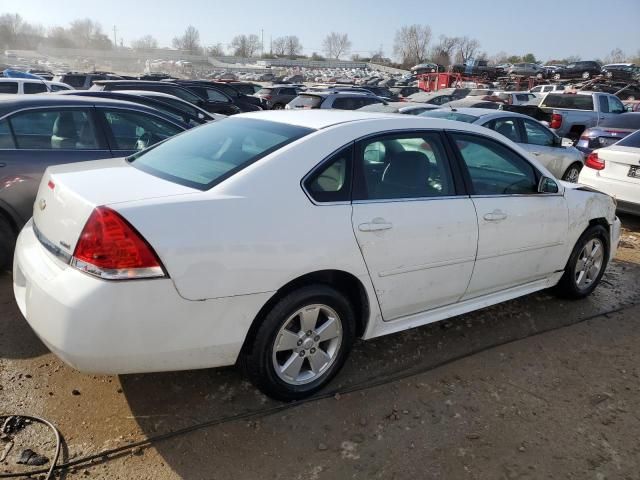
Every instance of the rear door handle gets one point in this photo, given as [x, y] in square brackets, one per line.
[495, 216]
[375, 225]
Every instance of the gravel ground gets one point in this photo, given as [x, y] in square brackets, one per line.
[529, 389]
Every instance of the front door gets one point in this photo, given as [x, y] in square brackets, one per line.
[521, 232]
[417, 235]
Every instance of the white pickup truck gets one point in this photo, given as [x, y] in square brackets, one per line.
[569, 114]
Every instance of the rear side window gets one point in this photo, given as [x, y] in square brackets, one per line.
[8, 87]
[57, 88]
[332, 181]
[538, 134]
[216, 96]
[137, 130]
[74, 80]
[6, 139]
[34, 88]
[54, 129]
[493, 168]
[215, 151]
[264, 91]
[562, 100]
[306, 101]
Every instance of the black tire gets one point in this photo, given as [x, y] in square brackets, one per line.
[569, 176]
[567, 287]
[278, 106]
[7, 243]
[556, 76]
[586, 75]
[257, 359]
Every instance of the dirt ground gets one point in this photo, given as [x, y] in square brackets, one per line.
[536, 388]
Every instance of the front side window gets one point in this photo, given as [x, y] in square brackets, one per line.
[493, 168]
[215, 151]
[332, 181]
[306, 101]
[54, 129]
[537, 134]
[615, 105]
[137, 130]
[216, 95]
[57, 88]
[403, 166]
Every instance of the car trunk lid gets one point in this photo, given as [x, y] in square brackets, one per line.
[621, 163]
[69, 193]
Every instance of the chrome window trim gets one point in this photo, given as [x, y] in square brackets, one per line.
[412, 199]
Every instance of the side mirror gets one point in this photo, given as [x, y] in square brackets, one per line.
[547, 185]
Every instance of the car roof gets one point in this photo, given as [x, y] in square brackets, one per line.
[315, 118]
[10, 103]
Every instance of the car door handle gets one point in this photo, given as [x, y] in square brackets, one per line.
[375, 225]
[495, 216]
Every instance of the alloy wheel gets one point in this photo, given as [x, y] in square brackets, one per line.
[307, 344]
[589, 263]
[572, 175]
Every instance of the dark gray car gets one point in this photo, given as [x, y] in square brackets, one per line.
[43, 130]
[277, 96]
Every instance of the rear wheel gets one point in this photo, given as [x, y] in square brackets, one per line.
[556, 76]
[572, 173]
[277, 106]
[585, 75]
[586, 264]
[7, 243]
[301, 343]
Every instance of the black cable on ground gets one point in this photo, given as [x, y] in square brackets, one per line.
[56, 433]
[368, 384]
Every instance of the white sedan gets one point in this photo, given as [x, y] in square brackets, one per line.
[274, 239]
[616, 171]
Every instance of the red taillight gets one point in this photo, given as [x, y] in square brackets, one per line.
[594, 162]
[267, 97]
[556, 120]
[109, 247]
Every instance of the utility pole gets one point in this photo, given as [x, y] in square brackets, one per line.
[115, 41]
[262, 42]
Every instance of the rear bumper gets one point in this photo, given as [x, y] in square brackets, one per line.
[627, 194]
[125, 326]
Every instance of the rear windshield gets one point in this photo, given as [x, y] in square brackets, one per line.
[566, 100]
[306, 101]
[265, 91]
[624, 120]
[207, 155]
[450, 115]
[632, 140]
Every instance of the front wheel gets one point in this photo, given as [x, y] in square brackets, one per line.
[301, 344]
[556, 76]
[586, 264]
[277, 106]
[586, 75]
[573, 173]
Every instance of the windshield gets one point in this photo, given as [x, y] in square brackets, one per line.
[205, 156]
[450, 115]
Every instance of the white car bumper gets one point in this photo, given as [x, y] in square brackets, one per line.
[125, 326]
[627, 194]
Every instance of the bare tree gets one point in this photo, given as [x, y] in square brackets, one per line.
[144, 43]
[615, 56]
[378, 56]
[336, 44]
[245, 45]
[293, 46]
[88, 33]
[467, 48]
[279, 46]
[411, 44]
[10, 25]
[216, 50]
[189, 41]
[443, 52]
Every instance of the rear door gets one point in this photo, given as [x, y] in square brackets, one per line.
[521, 232]
[416, 229]
[34, 139]
[541, 143]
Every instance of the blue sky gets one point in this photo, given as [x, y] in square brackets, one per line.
[547, 28]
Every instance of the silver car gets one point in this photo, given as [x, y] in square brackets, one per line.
[563, 160]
